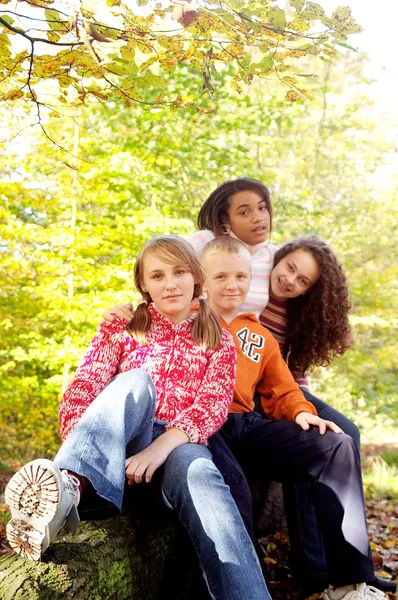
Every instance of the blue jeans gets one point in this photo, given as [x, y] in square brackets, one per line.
[120, 422]
[308, 553]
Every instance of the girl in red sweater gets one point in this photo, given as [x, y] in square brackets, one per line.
[140, 406]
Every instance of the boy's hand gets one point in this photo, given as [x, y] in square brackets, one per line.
[305, 419]
[142, 466]
[124, 311]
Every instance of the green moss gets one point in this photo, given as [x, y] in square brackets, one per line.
[116, 580]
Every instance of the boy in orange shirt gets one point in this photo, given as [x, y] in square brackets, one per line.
[282, 443]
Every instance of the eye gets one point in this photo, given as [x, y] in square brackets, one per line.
[180, 272]
[289, 266]
[263, 208]
[157, 276]
[244, 213]
[242, 277]
[220, 277]
[304, 282]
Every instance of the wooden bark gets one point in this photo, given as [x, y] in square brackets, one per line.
[122, 558]
[116, 558]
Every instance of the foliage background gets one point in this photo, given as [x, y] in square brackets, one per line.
[70, 228]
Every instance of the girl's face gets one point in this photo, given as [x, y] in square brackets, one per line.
[170, 286]
[248, 217]
[294, 275]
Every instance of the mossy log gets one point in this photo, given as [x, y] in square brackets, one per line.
[122, 558]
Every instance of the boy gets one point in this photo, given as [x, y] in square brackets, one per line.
[282, 443]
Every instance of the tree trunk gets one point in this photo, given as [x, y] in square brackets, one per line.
[124, 558]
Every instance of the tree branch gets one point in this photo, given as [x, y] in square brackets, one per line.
[32, 39]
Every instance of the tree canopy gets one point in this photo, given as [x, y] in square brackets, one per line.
[55, 53]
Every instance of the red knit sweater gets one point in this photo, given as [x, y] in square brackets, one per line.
[194, 385]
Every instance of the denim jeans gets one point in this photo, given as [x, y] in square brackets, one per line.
[120, 422]
[308, 553]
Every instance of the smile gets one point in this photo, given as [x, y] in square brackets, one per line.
[285, 287]
[259, 229]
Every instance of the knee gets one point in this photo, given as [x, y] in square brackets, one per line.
[136, 387]
[354, 432]
[190, 468]
[344, 449]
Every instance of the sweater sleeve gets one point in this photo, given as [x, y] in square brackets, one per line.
[100, 364]
[199, 240]
[281, 397]
[209, 410]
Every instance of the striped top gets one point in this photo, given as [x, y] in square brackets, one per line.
[262, 263]
[274, 319]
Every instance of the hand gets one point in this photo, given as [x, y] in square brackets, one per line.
[145, 463]
[305, 419]
[124, 311]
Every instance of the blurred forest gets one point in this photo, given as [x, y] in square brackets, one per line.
[71, 224]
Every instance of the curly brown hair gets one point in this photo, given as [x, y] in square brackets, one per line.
[317, 322]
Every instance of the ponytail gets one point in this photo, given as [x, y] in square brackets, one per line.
[140, 323]
[207, 328]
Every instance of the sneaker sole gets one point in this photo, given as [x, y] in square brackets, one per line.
[33, 497]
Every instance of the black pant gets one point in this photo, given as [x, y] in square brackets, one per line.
[308, 560]
[282, 451]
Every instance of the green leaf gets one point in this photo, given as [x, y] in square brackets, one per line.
[297, 4]
[277, 17]
[312, 11]
[149, 80]
[266, 62]
[347, 46]
[246, 60]
[53, 18]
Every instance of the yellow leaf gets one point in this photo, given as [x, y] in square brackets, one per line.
[148, 63]
[128, 51]
[53, 36]
[292, 96]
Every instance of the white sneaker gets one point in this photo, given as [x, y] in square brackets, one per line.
[41, 499]
[360, 592]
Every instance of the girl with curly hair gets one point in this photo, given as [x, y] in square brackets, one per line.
[308, 308]
[307, 313]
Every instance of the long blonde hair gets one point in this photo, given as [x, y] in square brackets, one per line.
[172, 249]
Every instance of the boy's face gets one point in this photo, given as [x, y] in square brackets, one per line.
[227, 281]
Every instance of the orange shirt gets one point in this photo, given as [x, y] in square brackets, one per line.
[261, 368]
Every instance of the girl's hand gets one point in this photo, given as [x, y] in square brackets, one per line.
[124, 311]
[305, 419]
[142, 466]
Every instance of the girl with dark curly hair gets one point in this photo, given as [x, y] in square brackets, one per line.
[308, 313]
[309, 305]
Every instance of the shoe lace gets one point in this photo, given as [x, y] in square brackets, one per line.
[72, 483]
